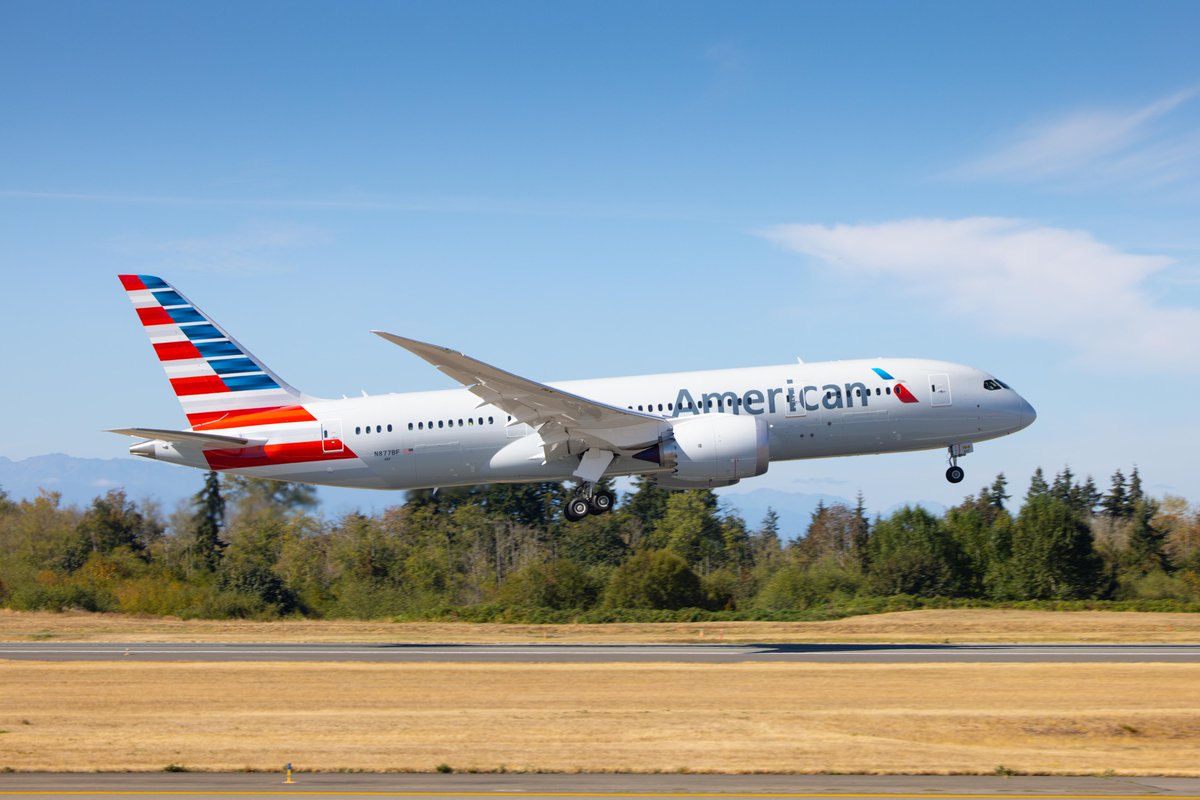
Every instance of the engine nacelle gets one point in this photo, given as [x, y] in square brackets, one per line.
[713, 447]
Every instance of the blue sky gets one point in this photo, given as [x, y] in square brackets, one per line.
[590, 189]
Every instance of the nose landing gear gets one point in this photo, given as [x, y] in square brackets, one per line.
[955, 473]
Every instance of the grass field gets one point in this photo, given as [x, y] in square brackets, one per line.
[954, 625]
[939, 718]
[927, 718]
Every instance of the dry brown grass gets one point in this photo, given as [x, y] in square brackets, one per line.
[955, 625]
[1045, 718]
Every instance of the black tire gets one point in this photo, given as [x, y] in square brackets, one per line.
[601, 502]
[577, 508]
[955, 474]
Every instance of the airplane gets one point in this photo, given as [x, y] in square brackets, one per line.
[684, 430]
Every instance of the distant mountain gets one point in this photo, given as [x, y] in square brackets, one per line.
[795, 509]
[80, 480]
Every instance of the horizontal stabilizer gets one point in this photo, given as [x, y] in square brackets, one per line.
[189, 437]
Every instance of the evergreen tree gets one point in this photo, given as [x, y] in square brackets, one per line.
[860, 539]
[647, 503]
[654, 579]
[912, 553]
[765, 547]
[690, 527]
[835, 532]
[254, 496]
[1052, 553]
[998, 493]
[1037, 485]
[535, 505]
[110, 523]
[1146, 539]
[208, 520]
[1064, 483]
[1135, 489]
[1085, 498]
[1116, 503]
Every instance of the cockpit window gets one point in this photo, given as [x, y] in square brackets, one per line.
[992, 385]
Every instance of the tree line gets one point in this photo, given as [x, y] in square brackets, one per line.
[247, 547]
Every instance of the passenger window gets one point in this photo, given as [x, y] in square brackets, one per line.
[491, 421]
[358, 429]
[460, 423]
[441, 423]
[878, 391]
[389, 427]
[888, 390]
[481, 420]
[379, 429]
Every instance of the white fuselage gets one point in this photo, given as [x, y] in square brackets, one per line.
[448, 438]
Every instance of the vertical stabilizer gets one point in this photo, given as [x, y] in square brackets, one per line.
[214, 377]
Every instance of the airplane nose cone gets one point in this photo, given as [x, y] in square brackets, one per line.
[1028, 413]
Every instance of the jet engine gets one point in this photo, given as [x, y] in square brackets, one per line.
[712, 450]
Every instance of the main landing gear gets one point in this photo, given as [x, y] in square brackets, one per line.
[955, 473]
[588, 500]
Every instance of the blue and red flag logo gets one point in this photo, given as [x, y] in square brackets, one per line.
[900, 390]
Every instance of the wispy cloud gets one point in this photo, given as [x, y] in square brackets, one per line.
[1017, 278]
[1141, 146]
[257, 247]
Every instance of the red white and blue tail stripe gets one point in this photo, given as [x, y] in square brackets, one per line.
[219, 383]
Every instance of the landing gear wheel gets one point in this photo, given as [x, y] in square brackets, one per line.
[601, 502]
[955, 474]
[577, 508]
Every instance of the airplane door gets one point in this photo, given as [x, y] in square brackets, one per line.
[331, 436]
[939, 389]
[795, 405]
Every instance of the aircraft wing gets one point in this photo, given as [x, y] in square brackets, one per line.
[558, 416]
[209, 440]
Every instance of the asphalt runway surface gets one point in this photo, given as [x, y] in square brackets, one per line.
[560, 654]
[491, 786]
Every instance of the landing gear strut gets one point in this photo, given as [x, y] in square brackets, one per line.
[955, 473]
[588, 500]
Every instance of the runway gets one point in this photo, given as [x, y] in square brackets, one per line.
[551, 653]
[554, 786]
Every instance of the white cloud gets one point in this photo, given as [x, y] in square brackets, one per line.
[1017, 278]
[1098, 145]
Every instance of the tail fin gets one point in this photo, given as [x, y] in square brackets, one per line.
[214, 377]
